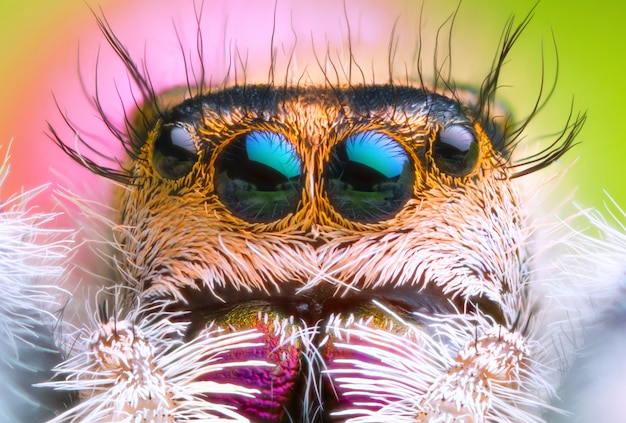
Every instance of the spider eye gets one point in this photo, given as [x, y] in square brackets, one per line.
[174, 152]
[455, 150]
[258, 176]
[369, 177]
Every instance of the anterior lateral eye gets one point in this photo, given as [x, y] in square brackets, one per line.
[258, 176]
[369, 177]
[174, 152]
[455, 150]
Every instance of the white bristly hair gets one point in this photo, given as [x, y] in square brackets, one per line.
[438, 372]
[136, 367]
[32, 255]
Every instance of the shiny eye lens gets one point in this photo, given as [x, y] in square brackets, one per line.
[174, 152]
[455, 150]
[258, 176]
[369, 177]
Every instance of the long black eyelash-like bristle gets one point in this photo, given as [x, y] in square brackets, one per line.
[439, 76]
[510, 136]
[118, 174]
[140, 77]
[504, 133]
[553, 152]
[148, 108]
[131, 136]
[487, 93]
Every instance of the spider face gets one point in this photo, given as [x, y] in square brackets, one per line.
[334, 223]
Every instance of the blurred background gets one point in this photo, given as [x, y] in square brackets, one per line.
[48, 47]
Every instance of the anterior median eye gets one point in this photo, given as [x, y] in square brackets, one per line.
[369, 177]
[258, 176]
[455, 150]
[174, 152]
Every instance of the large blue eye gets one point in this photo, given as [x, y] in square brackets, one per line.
[258, 176]
[369, 177]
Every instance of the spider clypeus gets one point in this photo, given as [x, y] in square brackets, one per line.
[316, 250]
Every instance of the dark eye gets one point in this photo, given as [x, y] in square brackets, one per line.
[369, 177]
[174, 152]
[258, 176]
[455, 150]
